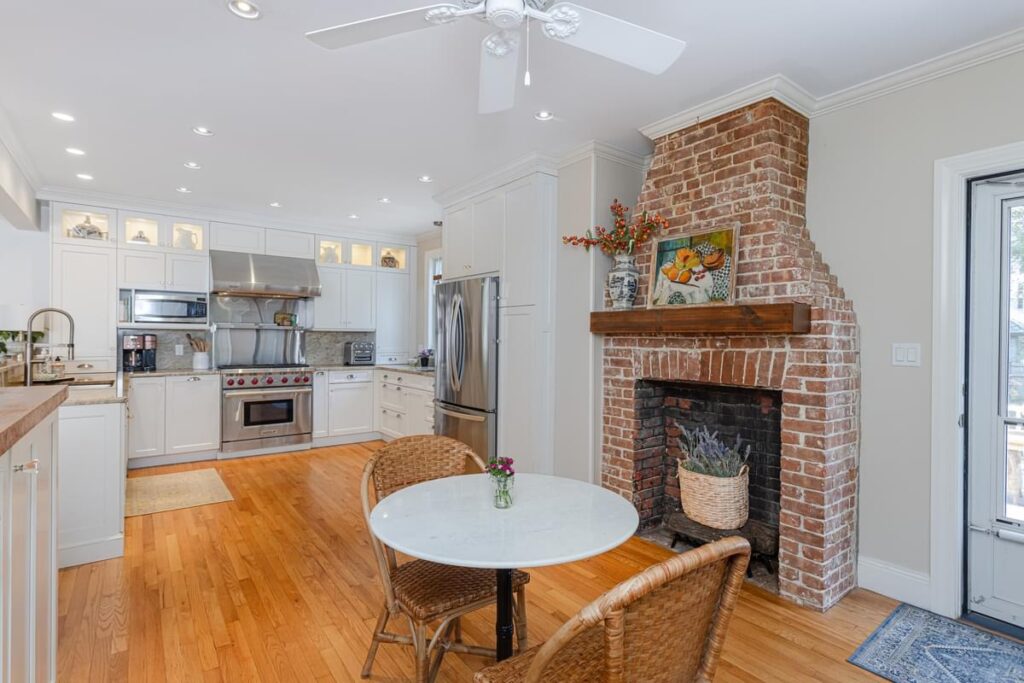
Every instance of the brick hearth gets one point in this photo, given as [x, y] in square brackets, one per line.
[748, 168]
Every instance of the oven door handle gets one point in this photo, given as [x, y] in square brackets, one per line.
[264, 392]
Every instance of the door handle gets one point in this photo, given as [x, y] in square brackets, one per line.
[462, 416]
[30, 467]
[1012, 536]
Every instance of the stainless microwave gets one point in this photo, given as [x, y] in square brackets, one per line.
[169, 308]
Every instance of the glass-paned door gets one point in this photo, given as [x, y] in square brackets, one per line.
[995, 426]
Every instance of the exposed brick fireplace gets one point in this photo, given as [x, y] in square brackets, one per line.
[748, 169]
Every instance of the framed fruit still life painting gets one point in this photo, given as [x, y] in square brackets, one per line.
[694, 270]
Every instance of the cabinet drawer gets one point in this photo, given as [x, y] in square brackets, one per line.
[407, 379]
[392, 422]
[393, 396]
[346, 376]
[86, 366]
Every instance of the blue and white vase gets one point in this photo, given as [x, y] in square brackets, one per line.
[622, 282]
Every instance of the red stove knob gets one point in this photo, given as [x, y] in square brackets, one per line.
[231, 382]
[270, 380]
[241, 381]
[305, 379]
[284, 380]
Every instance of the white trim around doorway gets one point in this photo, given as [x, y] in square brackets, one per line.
[948, 334]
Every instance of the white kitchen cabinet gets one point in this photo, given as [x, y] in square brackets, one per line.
[321, 405]
[192, 413]
[291, 244]
[394, 315]
[392, 423]
[239, 238]
[358, 301]
[527, 254]
[137, 269]
[80, 224]
[473, 236]
[85, 285]
[393, 258]
[146, 414]
[327, 313]
[350, 403]
[457, 242]
[405, 403]
[92, 481]
[420, 412]
[185, 273]
[29, 561]
[147, 231]
[523, 400]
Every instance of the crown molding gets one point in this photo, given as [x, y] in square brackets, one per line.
[603, 150]
[520, 168]
[922, 72]
[778, 87]
[204, 213]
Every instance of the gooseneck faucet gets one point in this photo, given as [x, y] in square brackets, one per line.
[28, 342]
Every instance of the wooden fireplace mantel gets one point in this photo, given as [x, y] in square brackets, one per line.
[786, 318]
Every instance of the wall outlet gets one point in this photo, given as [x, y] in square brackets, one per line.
[906, 355]
[179, 349]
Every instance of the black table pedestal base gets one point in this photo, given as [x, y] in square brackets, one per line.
[504, 625]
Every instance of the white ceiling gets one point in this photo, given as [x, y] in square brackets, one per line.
[327, 133]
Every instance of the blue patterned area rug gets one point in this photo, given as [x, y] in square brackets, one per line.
[914, 646]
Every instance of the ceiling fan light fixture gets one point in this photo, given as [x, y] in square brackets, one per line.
[442, 14]
[244, 9]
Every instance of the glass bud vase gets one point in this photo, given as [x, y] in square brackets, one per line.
[502, 487]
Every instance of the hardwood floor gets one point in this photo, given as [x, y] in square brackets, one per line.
[280, 585]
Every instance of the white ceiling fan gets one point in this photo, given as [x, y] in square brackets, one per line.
[566, 22]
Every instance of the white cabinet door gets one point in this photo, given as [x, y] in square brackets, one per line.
[392, 423]
[92, 473]
[358, 301]
[186, 273]
[527, 252]
[524, 418]
[321, 405]
[457, 242]
[392, 396]
[293, 244]
[85, 285]
[488, 233]
[192, 414]
[241, 238]
[351, 408]
[146, 410]
[140, 269]
[420, 412]
[394, 314]
[327, 313]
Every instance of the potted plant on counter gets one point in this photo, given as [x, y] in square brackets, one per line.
[713, 480]
[621, 242]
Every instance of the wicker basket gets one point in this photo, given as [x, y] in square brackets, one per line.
[717, 502]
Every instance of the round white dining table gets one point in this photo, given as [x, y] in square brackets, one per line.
[552, 521]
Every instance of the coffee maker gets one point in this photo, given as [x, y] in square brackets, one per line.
[149, 353]
[132, 352]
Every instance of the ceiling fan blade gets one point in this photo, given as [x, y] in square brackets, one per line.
[614, 38]
[499, 71]
[366, 30]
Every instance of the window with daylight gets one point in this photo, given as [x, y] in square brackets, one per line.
[433, 275]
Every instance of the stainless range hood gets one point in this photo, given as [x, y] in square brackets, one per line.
[259, 275]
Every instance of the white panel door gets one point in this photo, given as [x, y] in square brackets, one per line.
[321, 405]
[192, 414]
[457, 242]
[292, 244]
[146, 412]
[186, 273]
[488, 233]
[359, 302]
[327, 308]
[351, 408]
[240, 238]
[85, 285]
[522, 397]
[394, 313]
[137, 269]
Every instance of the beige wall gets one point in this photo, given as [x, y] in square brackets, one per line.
[424, 243]
[869, 210]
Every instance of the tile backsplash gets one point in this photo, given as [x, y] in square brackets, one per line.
[166, 340]
[328, 348]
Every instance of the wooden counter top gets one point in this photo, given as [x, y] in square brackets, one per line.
[22, 408]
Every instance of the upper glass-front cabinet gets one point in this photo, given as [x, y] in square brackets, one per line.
[142, 230]
[393, 258]
[332, 251]
[78, 223]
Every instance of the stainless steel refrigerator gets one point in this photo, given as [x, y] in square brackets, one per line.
[466, 394]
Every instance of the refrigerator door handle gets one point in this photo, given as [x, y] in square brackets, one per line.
[457, 339]
[462, 416]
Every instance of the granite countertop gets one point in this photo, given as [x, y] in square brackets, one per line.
[88, 396]
[338, 366]
[22, 408]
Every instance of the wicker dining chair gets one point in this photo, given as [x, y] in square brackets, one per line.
[664, 625]
[425, 592]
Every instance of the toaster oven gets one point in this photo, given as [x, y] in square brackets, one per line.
[360, 353]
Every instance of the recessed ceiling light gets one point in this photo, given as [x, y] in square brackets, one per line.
[60, 116]
[184, 190]
[192, 165]
[384, 200]
[244, 9]
[426, 179]
[544, 115]
[276, 205]
[74, 151]
[353, 216]
[202, 130]
[83, 176]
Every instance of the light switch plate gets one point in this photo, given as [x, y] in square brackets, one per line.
[906, 355]
[179, 349]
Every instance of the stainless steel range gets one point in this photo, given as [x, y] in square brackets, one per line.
[266, 407]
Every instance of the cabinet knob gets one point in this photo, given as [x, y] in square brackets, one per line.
[85, 366]
[31, 467]
[195, 379]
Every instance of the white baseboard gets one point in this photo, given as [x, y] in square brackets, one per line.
[322, 442]
[170, 459]
[894, 581]
[93, 551]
